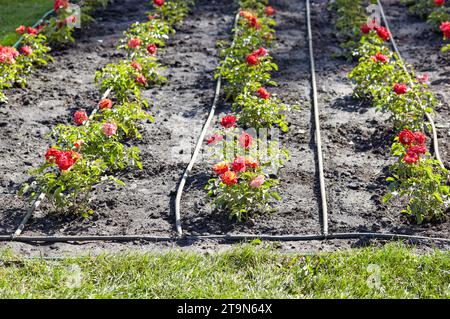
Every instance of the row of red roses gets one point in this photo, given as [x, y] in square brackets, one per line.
[229, 174]
[66, 159]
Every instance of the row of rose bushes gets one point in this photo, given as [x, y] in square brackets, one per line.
[95, 147]
[242, 184]
[35, 42]
[437, 13]
[380, 78]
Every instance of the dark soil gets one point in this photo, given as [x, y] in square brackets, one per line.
[356, 139]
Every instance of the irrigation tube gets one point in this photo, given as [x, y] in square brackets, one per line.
[41, 196]
[199, 144]
[232, 238]
[323, 192]
[429, 117]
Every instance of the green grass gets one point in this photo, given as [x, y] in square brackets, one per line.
[247, 271]
[16, 12]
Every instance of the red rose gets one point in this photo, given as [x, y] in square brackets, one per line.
[20, 30]
[400, 88]
[418, 149]
[439, 3]
[253, 22]
[411, 157]
[31, 30]
[445, 28]
[79, 117]
[228, 121]
[365, 28]
[383, 33]
[158, 3]
[52, 154]
[66, 160]
[135, 65]
[27, 50]
[221, 168]
[252, 59]
[142, 80]
[134, 43]
[406, 137]
[105, 104]
[251, 162]
[380, 58]
[245, 140]
[260, 52]
[151, 49]
[419, 138]
[229, 178]
[239, 164]
[270, 11]
[60, 4]
[263, 93]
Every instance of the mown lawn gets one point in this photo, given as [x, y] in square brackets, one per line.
[248, 271]
[16, 12]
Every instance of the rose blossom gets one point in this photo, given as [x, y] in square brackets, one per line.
[151, 49]
[239, 164]
[251, 162]
[423, 78]
[245, 140]
[406, 137]
[20, 29]
[52, 154]
[65, 160]
[79, 117]
[418, 149]
[383, 33]
[257, 181]
[109, 129]
[78, 143]
[380, 58]
[400, 88]
[439, 3]
[31, 30]
[229, 178]
[411, 157]
[221, 168]
[263, 93]
[228, 121]
[134, 43]
[158, 3]
[142, 80]
[135, 65]
[270, 11]
[252, 59]
[445, 28]
[60, 4]
[365, 28]
[8, 55]
[419, 138]
[27, 50]
[105, 104]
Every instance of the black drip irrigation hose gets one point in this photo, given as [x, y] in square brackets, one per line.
[231, 237]
[227, 237]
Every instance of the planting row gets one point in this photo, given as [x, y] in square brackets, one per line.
[95, 147]
[246, 161]
[381, 78]
[35, 42]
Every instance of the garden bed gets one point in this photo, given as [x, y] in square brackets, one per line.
[356, 140]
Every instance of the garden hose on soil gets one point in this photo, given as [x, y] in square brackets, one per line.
[428, 116]
[199, 144]
[323, 193]
[227, 238]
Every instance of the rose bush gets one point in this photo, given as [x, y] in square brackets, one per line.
[89, 152]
